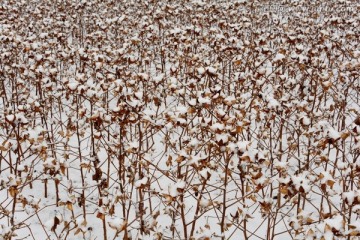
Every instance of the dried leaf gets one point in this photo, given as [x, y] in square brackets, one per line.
[100, 215]
[69, 206]
[56, 222]
[13, 191]
[77, 231]
[169, 161]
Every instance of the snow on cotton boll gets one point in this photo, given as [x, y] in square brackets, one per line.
[141, 183]
[279, 57]
[351, 197]
[211, 71]
[273, 104]
[305, 121]
[117, 224]
[173, 191]
[159, 78]
[204, 100]
[201, 71]
[301, 183]
[333, 226]
[333, 134]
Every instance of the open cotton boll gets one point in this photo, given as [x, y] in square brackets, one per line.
[350, 196]
[305, 120]
[273, 103]
[279, 57]
[73, 85]
[201, 70]
[333, 134]
[117, 223]
[141, 182]
[217, 126]
[159, 78]
[10, 117]
[205, 100]
[211, 70]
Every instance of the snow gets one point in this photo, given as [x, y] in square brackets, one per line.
[141, 182]
[300, 181]
[306, 121]
[159, 78]
[116, 223]
[273, 103]
[349, 197]
[279, 57]
[217, 126]
[10, 117]
[212, 70]
[203, 100]
[201, 70]
[73, 85]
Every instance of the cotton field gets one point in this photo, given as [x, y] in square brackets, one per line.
[179, 119]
